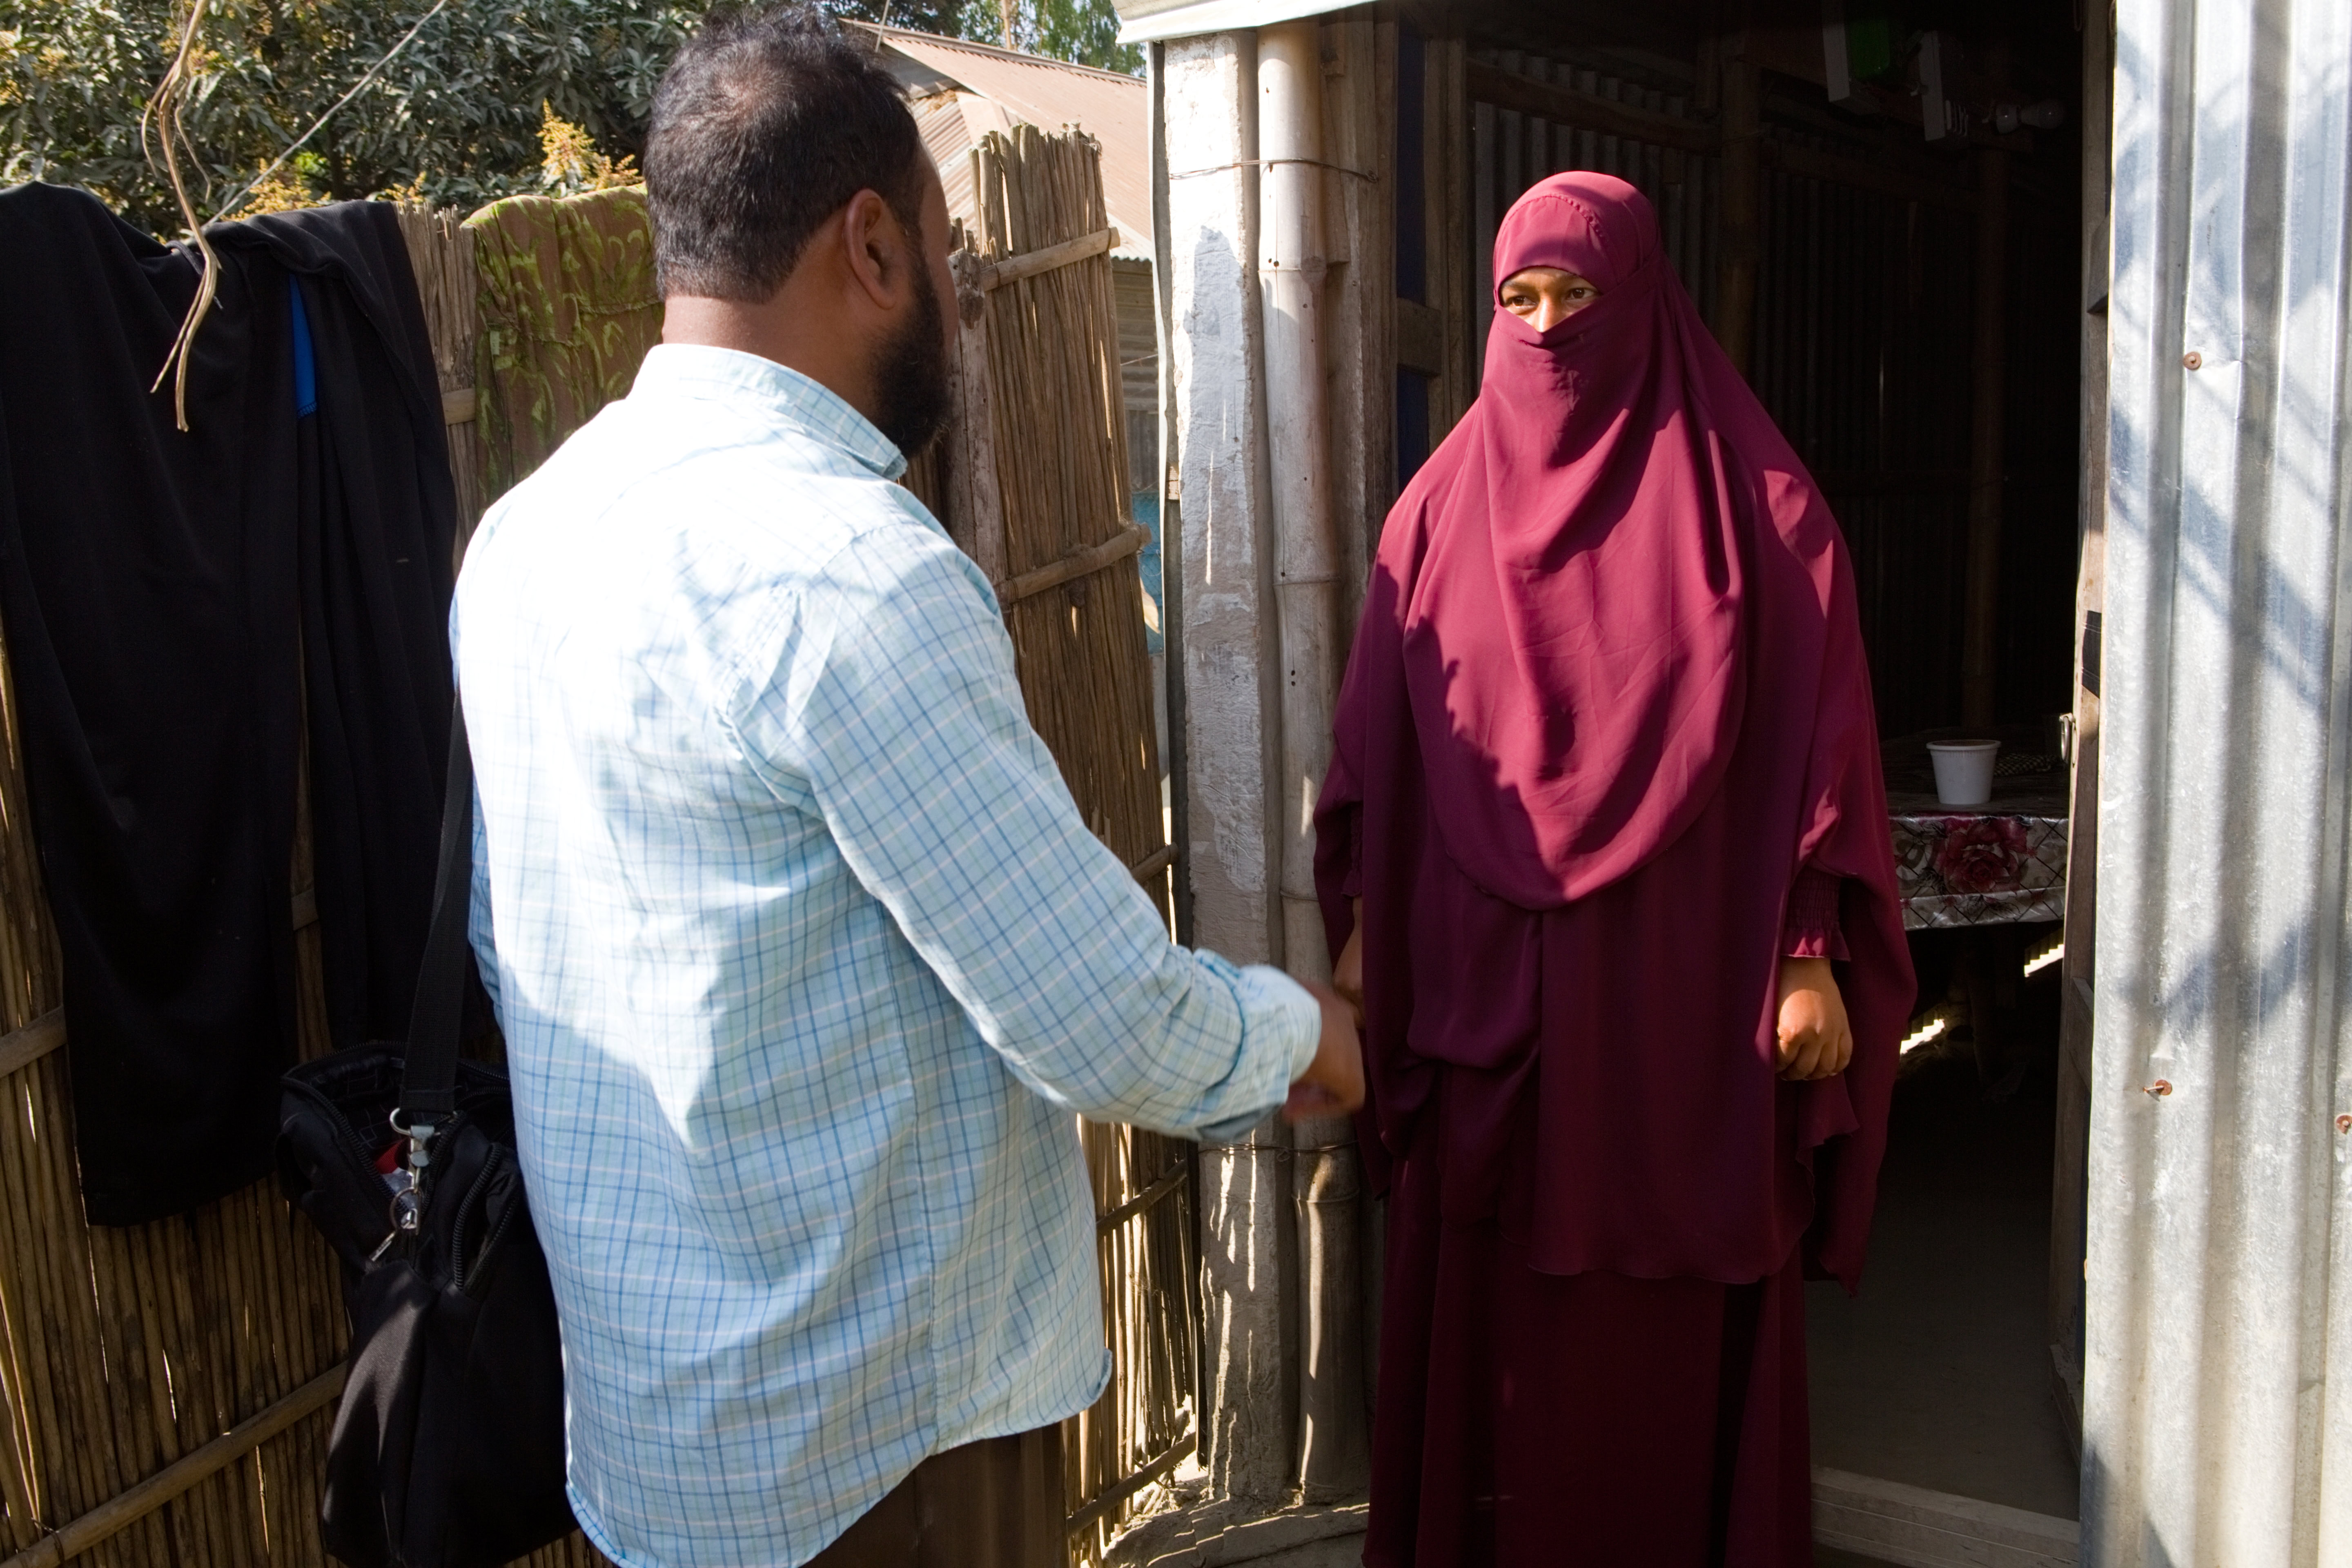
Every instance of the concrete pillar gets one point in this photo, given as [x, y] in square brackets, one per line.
[1293, 271]
[1230, 670]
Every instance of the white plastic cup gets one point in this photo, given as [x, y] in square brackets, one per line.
[1963, 771]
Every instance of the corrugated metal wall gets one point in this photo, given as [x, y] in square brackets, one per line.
[2220, 1291]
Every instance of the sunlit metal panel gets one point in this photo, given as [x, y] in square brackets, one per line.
[2220, 1271]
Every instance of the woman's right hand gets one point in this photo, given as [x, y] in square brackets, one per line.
[1348, 973]
[1815, 1040]
[1333, 1083]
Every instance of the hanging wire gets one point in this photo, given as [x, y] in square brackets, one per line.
[320, 124]
[165, 110]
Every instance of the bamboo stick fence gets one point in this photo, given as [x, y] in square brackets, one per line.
[166, 1390]
[1038, 482]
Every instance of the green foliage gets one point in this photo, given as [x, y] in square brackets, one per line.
[944, 17]
[456, 118]
[1085, 31]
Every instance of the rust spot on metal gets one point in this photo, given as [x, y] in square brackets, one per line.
[2192, 360]
[2159, 1089]
[2344, 1123]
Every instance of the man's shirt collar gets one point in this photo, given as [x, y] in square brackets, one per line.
[776, 391]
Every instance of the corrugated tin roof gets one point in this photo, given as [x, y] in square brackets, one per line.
[950, 122]
[2218, 1397]
[1050, 94]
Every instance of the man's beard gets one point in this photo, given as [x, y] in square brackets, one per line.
[913, 393]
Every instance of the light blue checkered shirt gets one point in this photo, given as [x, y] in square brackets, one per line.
[805, 961]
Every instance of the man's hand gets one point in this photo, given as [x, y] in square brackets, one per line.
[1348, 973]
[1333, 1084]
[1815, 1041]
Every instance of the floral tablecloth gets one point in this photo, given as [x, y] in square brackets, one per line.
[1990, 865]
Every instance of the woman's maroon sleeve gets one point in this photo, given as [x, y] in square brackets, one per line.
[1811, 929]
[1340, 850]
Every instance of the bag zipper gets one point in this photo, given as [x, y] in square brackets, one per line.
[497, 1234]
[458, 1226]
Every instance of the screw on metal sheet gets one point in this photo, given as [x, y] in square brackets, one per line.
[2192, 360]
[2159, 1089]
[2344, 1123]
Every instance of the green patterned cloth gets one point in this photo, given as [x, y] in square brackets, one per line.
[569, 309]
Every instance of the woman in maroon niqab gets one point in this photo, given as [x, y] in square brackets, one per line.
[1605, 757]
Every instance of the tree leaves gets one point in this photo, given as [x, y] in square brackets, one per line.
[456, 118]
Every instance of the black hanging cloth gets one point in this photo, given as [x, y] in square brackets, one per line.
[375, 520]
[170, 597]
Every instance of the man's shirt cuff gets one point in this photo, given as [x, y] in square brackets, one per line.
[1281, 1021]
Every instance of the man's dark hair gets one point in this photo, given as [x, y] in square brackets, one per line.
[765, 124]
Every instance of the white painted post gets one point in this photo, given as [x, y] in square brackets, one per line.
[1292, 270]
[1232, 722]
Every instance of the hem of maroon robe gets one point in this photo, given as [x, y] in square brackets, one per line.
[1584, 1421]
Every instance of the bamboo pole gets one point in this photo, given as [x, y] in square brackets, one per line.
[1740, 224]
[22, 1047]
[1334, 1456]
[1128, 542]
[976, 509]
[1061, 253]
[1445, 156]
[1988, 369]
[441, 254]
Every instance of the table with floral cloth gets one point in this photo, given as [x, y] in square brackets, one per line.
[2001, 863]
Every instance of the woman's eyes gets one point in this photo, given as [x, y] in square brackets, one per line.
[1528, 304]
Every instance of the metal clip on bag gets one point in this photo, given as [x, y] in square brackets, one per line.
[447, 1449]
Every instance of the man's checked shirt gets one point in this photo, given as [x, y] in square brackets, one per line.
[806, 964]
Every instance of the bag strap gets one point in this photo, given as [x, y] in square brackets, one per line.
[428, 1082]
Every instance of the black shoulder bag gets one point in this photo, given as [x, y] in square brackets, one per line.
[447, 1449]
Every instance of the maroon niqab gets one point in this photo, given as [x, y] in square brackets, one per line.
[1607, 699]
[1585, 711]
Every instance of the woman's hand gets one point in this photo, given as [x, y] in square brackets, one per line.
[1815, 1041]
[1333, 1084]
[1348, 973]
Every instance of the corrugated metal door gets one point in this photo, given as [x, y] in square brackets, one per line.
[2219, 1288]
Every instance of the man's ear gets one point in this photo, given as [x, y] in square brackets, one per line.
[877, 247]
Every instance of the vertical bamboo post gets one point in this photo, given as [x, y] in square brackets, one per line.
[1445, 159]
[976, 504]
[2069, 1187]
[1334, 1459]
[1739, 226]
[1292, 270]
[1988, 367]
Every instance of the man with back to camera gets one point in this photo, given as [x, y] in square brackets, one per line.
[803, 955]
